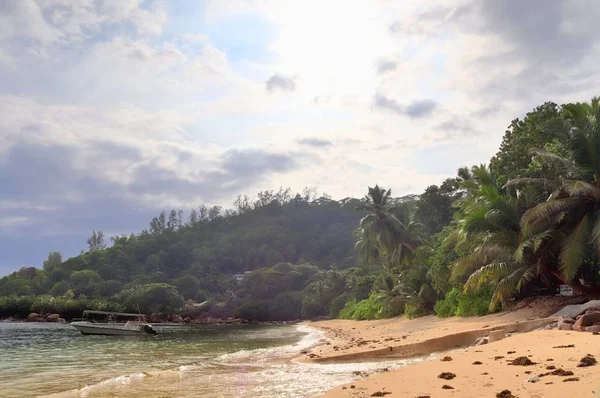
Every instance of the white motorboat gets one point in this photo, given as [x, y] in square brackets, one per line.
[135, 327]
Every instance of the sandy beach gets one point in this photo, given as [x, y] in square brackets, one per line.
[475, 371]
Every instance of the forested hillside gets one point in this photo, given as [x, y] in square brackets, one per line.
[522, 225]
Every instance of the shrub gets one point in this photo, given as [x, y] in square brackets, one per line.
[16, 306]
[367, 309]
[447, 307]
[108, 288]
[348, 310]
[415, 308]
[393, 306]
[59, 288]
[370, 308]
[153, 297]
[458, 303]
[337, 304]
[474, 304]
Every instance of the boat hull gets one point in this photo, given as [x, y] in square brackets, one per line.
[106, 330]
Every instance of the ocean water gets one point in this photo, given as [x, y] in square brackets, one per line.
[55, 360]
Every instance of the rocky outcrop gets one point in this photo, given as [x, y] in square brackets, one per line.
[565, 323]
[572, 311]
[586, 320]
[581, 318]
[34, 316]
[176, 319]
[158, 317]
[53, 318]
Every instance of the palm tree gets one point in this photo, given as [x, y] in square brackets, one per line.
[488, 232]
[571, 215]
[385, 232]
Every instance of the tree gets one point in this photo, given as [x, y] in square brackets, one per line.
[54, 261]
[193, 219]
[488, 235]
[108, 288]
[96, 241]
[434, 208]
[158, 224]
[84, 280]
[382, 235]
[59, 288]
[172, 222]
[570, 218]
[153, 297]
[514, 158]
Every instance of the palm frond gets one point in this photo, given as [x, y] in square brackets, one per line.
[582, 188]
[562, 163]
[596, 232]
[550, 209]
[543, 183]
[574, 249]
[506, 286]
[490, 273]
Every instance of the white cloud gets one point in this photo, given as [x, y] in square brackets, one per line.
[171, 112]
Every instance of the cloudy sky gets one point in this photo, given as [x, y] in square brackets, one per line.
[113, 109]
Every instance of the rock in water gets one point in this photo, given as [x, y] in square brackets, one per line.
[34, 316]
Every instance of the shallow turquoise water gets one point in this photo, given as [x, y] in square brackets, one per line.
[216, 361]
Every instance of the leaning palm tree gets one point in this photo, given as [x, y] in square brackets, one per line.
[385, 232]
[488, 230]
[571, 215]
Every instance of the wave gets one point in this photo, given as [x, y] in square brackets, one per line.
[256, 358]
[311, 338]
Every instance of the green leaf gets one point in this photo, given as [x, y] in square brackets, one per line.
[582, 188]
[550, 210]
[575, 248]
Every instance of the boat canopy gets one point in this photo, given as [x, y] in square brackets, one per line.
[90, 312]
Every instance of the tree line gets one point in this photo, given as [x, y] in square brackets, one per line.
[523, 224]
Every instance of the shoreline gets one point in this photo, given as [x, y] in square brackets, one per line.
[481, 370]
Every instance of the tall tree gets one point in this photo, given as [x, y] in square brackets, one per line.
[96, 241]
[571, 215]
[514, 158]
[53, 261]
[381, 229]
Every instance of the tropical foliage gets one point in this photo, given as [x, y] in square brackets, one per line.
[523, 224]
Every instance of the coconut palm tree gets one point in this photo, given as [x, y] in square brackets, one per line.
[571, 215]
[488, 231]
[386, 232]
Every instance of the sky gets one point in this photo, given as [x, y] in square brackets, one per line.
[111, 110]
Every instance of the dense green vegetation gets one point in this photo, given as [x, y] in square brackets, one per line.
[522, 225]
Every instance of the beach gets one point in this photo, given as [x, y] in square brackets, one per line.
[476, 370]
